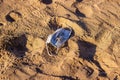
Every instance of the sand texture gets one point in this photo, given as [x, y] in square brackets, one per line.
[91, 53]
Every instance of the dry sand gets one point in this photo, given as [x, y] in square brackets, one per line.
[91, 53]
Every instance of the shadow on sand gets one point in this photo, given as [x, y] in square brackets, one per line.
[17, 45]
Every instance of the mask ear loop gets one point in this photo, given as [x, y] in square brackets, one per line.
[48, 50]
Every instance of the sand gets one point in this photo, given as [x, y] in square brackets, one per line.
[91, 53]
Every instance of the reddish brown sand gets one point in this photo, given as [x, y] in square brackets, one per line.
[91, 53]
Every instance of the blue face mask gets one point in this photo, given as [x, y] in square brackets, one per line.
[59, 37]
